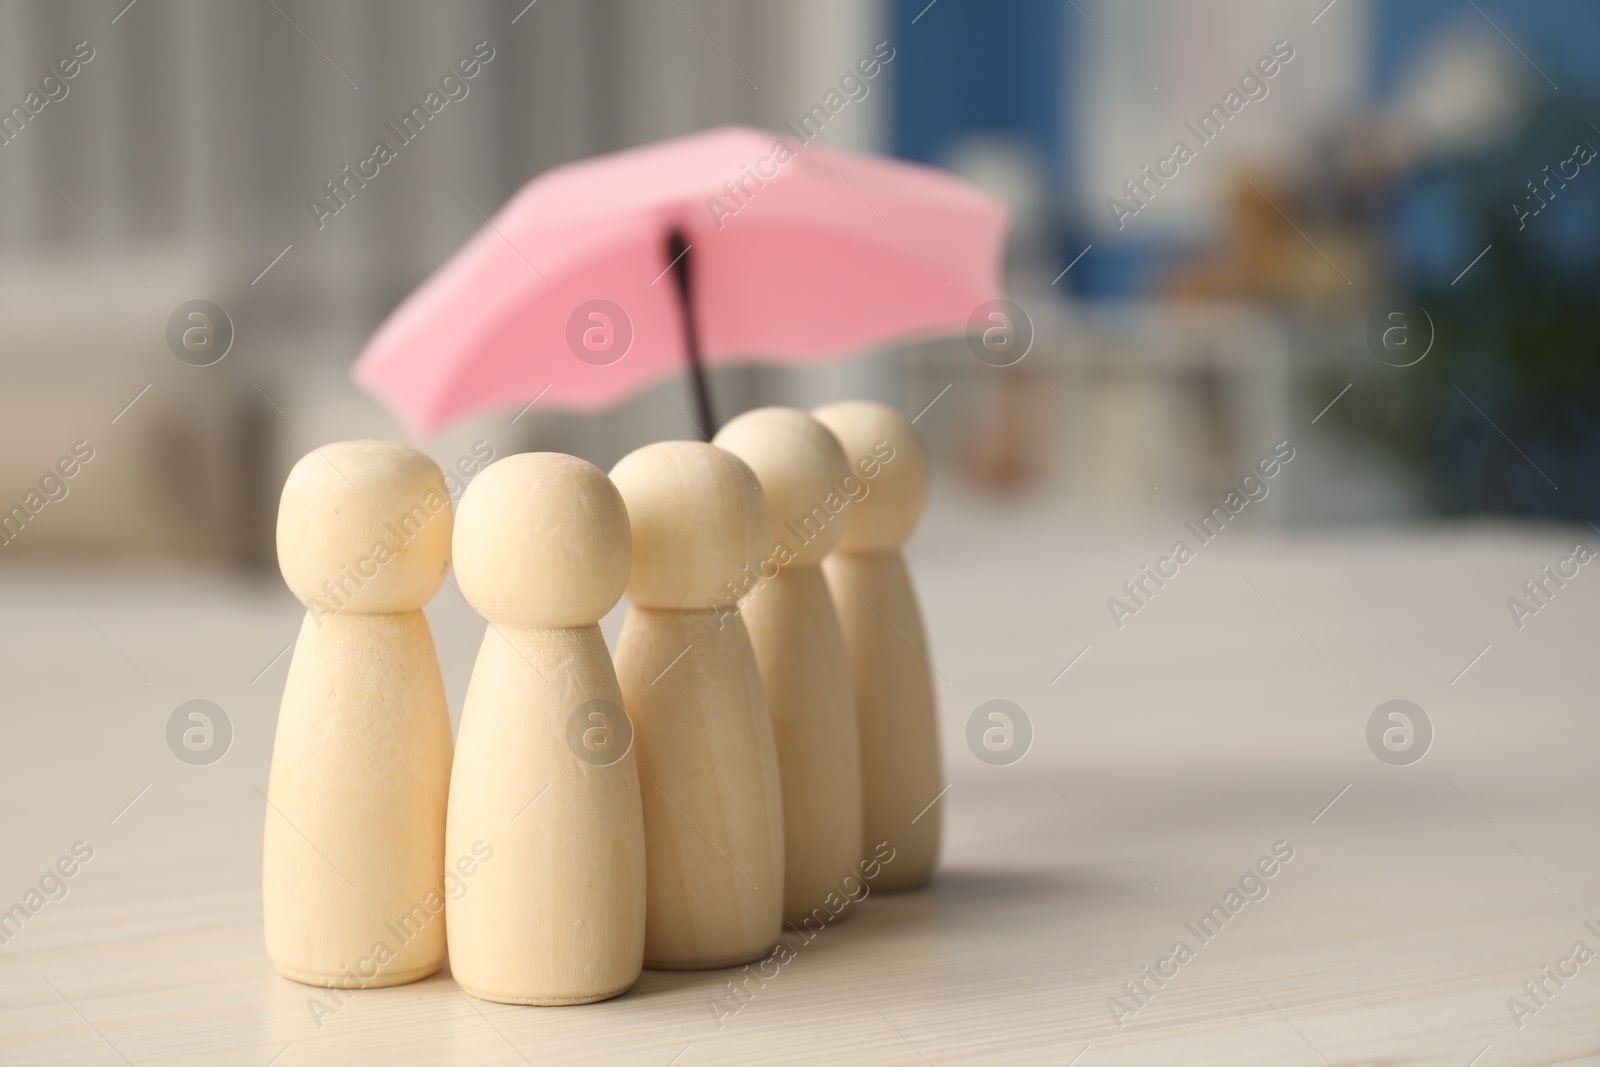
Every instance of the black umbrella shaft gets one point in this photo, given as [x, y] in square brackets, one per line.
[678, 256]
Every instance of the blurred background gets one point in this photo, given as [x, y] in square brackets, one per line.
[1388, 258]
[1424, 159]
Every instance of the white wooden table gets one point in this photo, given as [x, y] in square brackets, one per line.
[1228, 715]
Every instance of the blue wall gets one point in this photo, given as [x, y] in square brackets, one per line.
[979, 66]
[1561, 36]
[1002, 67]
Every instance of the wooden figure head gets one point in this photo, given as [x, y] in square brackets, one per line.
[542, 542]
[803, 475]
[364, 525]
[882, 447]
[699, 521]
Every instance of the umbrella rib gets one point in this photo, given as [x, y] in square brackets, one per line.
[490, 223]
[895, 228]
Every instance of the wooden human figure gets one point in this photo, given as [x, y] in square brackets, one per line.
[887, 645]
[708, 769]
[545, 773]
[353, 861]
[800, 647]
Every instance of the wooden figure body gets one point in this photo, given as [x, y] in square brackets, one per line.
[353, 855]
[708, 768]
[800, 648]
[887, 645]
[545, 775]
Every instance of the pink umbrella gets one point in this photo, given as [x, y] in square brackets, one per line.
[799, 253]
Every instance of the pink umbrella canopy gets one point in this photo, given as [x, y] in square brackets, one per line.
[575, 292]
